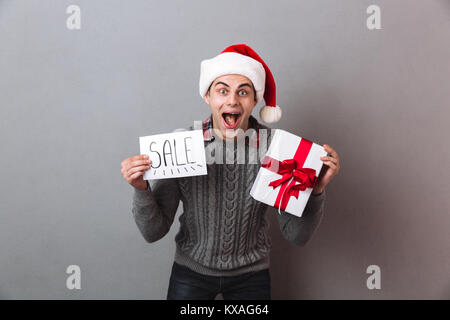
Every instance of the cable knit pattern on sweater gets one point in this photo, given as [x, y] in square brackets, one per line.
[223, 230]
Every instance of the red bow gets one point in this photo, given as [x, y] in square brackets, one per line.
[290, 168]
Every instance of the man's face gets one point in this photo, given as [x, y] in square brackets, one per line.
[232, 99]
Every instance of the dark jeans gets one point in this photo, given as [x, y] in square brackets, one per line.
[186, 284]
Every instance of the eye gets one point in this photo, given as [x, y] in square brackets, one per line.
[223, 91]
[244, 92]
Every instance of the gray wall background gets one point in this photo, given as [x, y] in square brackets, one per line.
[73, 104]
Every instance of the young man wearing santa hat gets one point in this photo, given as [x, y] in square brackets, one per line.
[223, 245]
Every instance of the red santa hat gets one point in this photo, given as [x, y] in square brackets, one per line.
[241, 59]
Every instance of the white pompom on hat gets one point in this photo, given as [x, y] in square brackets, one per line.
[241, 59]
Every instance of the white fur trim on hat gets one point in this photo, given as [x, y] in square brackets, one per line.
[270, 114]
[232, 63]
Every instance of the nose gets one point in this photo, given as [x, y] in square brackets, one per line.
[232, 99]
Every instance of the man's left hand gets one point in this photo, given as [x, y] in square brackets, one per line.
[330, 169]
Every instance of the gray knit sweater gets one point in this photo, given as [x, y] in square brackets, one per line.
[223, 230]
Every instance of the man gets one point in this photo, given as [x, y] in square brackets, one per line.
[223, 244]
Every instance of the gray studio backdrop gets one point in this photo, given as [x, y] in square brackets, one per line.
[74, 102]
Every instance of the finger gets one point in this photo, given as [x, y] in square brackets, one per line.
[328, 147]
[331, 165]
[136, 175]
[331, 151]
[139, 157]
[134, 158]
[140, 168]
[334, 160]
[138, 163]
[125, 174]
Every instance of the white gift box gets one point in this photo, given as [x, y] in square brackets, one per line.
[284, 148]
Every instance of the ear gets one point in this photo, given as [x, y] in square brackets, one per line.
[206, 97]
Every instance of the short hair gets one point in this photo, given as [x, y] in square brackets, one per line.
[254, 91]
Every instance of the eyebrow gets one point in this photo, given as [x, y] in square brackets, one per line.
[241, 85]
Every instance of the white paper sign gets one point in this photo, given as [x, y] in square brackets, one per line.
[173, 155]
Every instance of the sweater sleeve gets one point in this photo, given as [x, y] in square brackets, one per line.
[299, 230]
[154, 208]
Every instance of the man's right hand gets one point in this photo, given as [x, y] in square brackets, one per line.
[133, 169]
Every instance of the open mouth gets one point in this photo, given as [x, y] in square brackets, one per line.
[231, 120]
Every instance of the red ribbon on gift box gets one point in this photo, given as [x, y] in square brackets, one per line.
[292, 171]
